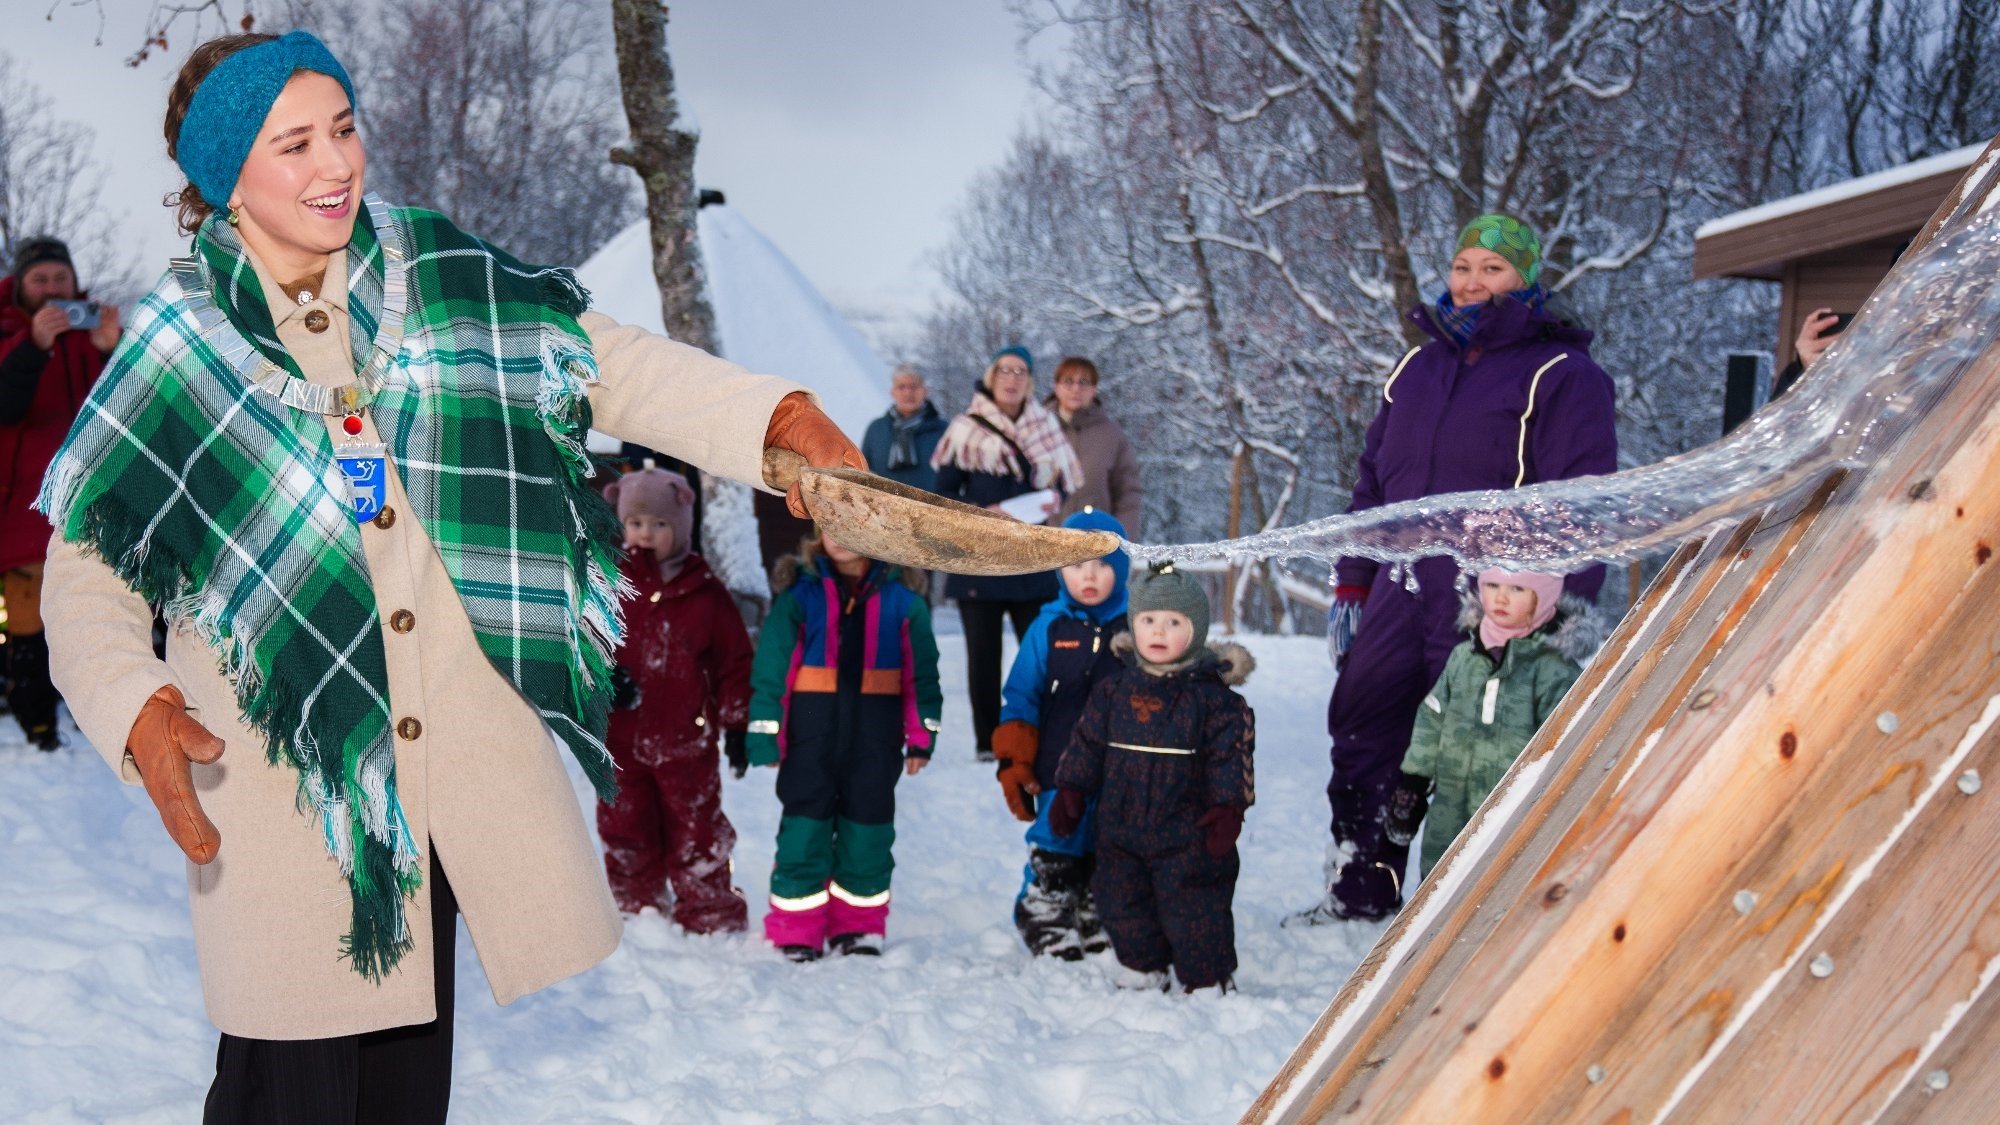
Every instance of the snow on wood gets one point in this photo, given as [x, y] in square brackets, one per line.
[1955, 160]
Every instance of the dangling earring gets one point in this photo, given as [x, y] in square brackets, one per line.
[232, 216]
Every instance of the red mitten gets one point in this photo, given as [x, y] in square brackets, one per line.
[1223, 823]
[1067, 812]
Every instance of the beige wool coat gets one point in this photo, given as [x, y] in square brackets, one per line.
[481, 778]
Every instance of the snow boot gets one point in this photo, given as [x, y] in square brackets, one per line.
[1045, 914]
[1089, 926]
[1355, 892]
[855, 945]
[799, 954]
[30, 693]
[1223, 987]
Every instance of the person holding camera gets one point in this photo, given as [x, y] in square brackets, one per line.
[53, 344]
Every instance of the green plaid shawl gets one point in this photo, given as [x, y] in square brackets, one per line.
[206, 494]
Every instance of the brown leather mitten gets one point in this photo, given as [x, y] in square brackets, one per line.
[803, 428]
[164, 739]
[1015, 744]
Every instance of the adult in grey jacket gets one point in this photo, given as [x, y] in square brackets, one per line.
[898, 445]
[1110, 468]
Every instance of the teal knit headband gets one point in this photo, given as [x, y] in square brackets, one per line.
[1508, 237]
[230, 105]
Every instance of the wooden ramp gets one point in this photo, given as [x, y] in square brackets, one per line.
[1750, 871]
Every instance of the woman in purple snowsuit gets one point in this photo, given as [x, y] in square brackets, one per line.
[1504, 394]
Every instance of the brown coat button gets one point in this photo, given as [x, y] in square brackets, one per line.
[317, 320]
[386, 518]
[402, 621]
[410, 729]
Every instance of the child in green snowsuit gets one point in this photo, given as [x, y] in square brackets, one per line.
[1528, 646]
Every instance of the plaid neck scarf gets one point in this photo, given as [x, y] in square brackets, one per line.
[985, 440]
[1461, 321]
[206, 494]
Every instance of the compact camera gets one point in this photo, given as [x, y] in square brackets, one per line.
[81, 314]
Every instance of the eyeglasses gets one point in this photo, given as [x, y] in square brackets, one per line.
[1076, 382]
[1017, 372]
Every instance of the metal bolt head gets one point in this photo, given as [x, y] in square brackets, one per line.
[1821, 966]
[1887, 722]
[1744, 901]
[1937, 1080]
[1596, 1074]
[1968, 782]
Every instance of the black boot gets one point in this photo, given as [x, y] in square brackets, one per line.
[1089, 926]
[1046, 912]
[30, 692]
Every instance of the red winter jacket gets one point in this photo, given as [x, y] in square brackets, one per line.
[61, 379]
[688, 653]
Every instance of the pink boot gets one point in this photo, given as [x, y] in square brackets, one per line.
[849, 913]
[798, 926]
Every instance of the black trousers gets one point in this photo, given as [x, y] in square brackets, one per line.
[395, 1076]
[983, 621]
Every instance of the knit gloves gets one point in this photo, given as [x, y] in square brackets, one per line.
[800, 426]
[1015, 743]
[1406, 809]
[1220, 826]
[164, 739]
[1067, 812]
[736, 749]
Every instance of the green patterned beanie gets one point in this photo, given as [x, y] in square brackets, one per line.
[1508, 237]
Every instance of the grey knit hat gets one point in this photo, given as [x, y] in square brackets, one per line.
[1166, 587]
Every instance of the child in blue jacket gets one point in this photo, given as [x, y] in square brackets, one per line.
[1065, 652]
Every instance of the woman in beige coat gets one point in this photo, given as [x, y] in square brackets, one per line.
[327, 868]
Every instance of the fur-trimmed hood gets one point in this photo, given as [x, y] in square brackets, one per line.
[787, 570]
[1575, 633]
[1232, 662]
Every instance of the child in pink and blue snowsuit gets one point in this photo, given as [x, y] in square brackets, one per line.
[844, 701]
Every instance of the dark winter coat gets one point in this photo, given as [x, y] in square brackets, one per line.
[689, 656]
[1066, 651]
[40, 394]
[1486, 707]
[981, 489]
[1110, 468]
[1521, 403]
[1158, 750]
[880, 439]
[844, 670]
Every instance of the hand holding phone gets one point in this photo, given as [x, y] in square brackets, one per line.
[1818, 332]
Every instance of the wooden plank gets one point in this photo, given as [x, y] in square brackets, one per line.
[1760, 251]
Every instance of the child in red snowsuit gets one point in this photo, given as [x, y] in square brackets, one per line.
[683, 679]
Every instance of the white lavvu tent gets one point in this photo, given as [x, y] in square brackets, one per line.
[768, 318]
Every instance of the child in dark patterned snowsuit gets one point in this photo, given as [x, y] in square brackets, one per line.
[1065, 653]
[846, 694]
[682, 682]
[1166, 747]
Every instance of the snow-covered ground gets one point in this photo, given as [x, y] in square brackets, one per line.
[100, 1008]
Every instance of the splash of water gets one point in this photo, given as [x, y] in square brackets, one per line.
[1928, 320]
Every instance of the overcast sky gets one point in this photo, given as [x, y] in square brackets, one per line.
[846, 129]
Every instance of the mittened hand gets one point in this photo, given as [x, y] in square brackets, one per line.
[1221, 824]
[1407, 806]
[164, 739]
[736, 750]
[1015, 744]
[803, 428]
[1067, 812]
